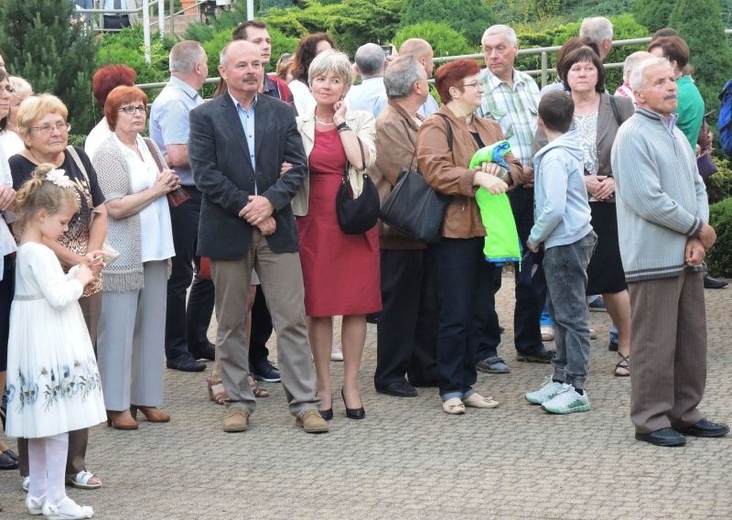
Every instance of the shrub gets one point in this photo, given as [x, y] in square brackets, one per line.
[719, 258]
[445, 41]
[469, 17]
[719, 185]
[127, 47]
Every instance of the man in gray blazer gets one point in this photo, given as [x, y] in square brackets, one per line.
[236, 147]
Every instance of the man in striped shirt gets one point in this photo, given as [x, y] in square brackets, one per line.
[511, 98]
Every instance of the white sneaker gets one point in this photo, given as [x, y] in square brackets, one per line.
[336, 354]
[568, 401]
[548, 390]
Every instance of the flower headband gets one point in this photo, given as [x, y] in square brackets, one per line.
[59, 178]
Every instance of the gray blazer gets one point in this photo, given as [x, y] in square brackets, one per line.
[219, 156]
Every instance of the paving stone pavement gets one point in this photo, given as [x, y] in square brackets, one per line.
[409, 460]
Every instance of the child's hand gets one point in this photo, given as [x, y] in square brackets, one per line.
[84, 274]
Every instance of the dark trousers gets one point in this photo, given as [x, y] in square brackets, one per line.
[530, 296]
[407, 328]
[186, 327]
[261, 328]
[465, 288]
[78, 440]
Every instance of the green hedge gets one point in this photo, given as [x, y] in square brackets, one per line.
[719, 259]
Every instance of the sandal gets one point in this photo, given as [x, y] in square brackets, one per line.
[622, 368]
[216, 391]
[258, 390]
[82, 480]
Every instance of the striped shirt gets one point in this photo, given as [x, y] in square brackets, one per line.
[515, 109]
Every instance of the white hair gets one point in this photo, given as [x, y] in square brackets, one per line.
[633, 60]
[501, 29]
[638, 76]
[597, 29]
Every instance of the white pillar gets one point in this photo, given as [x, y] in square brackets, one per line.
[161, 17]
[250, 9]
[146, 28]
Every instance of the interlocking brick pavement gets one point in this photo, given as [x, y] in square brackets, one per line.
[409, 460]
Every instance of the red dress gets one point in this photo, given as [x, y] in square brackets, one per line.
[341, 272]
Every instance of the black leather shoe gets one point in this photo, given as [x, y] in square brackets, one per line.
[612, 346]
[705, 428]
[327, 414]
[397, 389]
[353, 413]
[7, 462]
[536, 356]
[664, 437]
[207, 351]
[713, 283]
[12, 455]
[185, 364]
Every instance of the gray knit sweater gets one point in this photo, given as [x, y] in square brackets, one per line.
[113, 174]
[661, 199]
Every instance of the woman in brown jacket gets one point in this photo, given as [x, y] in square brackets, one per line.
[464, 278]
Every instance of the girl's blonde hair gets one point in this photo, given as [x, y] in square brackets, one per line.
[39, 193]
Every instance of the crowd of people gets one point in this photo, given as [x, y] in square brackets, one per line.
[230, 207]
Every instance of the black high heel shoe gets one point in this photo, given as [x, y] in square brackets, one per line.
[327, 414]
[353, 413]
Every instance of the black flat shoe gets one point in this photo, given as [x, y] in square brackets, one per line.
[713, 283]
[7, 462]
[664, 437]
[397, 389]
[705, 428]
[12, 455]
[353, 413]
[327, 414]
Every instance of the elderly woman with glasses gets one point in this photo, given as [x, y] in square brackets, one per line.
[42, 125]
[446, 143]
[131, 342]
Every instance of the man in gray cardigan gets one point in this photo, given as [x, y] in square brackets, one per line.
[664, 234]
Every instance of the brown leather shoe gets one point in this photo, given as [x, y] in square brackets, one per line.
[121, 420]
[151, 413]
[312, 422]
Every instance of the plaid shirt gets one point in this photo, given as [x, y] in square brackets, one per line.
[625, 91]
[515, 109]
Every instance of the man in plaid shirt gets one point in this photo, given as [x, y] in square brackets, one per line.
[511, 98]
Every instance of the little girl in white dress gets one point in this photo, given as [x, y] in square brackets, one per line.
[53, 381]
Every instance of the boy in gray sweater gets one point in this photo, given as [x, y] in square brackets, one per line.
[562, 226]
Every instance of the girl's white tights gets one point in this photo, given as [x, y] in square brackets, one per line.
[47, 467]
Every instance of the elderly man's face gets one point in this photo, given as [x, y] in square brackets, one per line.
[499, 54]
[659, 91]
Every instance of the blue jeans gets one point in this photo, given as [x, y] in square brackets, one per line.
[465, 291]
[546, 317]
[566, 275]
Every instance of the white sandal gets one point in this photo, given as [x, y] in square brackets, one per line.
[81, 480]
[34, 505]
[67, 509]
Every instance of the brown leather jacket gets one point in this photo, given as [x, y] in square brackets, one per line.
[396, 136]
[448, 172]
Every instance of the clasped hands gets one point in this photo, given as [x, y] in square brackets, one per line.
[258, 212]
[602, 187]
[167, 181]
[696, 248]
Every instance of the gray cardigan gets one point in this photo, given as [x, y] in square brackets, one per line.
[113, 175]
[661, 198]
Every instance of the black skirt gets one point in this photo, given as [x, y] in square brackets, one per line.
[605, 273]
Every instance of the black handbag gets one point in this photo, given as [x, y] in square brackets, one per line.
[413, 207]
[357, 215]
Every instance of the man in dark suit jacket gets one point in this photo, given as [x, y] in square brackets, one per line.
[237, 144]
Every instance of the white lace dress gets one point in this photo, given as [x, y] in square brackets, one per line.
[53, 381]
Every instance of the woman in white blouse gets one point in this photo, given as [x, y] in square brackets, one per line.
[132, 326]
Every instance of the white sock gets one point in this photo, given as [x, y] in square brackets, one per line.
[38, 484]
[57, 450]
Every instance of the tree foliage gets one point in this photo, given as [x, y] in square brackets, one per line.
[653, 15]
[41, 46]
[469, 17]
[700, 24]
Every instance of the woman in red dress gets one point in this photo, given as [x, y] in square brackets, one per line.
[341, 271]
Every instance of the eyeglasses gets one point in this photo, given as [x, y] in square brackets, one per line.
[8, 90]
[130, 110]
[474, 84]
[47, 129]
